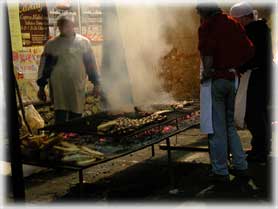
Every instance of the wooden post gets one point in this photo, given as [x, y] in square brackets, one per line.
[12, 115]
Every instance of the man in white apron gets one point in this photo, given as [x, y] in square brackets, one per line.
[65, 63]
[223, 46]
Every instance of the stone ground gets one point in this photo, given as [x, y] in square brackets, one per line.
[141, 178]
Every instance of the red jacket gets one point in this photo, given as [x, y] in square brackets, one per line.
[225, 39]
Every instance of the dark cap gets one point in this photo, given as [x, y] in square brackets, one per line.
[64, 18]
[208, 9]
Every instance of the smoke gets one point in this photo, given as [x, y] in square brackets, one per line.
[136, 44]
[142, 30]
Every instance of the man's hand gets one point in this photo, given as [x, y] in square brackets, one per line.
[206, 74]
[42, 95]
[207, 68]
[96, 91]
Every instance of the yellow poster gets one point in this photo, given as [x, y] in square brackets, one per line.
[15, 29]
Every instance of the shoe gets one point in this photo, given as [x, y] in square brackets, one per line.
[216, 178]
[239, 173]
[256, 157]
[248, 152]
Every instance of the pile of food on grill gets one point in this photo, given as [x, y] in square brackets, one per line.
[181, 105]
[47, 113]
[92, 106]
[56, 149]
[125, 125]
[170, 106]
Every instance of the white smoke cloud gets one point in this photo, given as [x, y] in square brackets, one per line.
[141, 31]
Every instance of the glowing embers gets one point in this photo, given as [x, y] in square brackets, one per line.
[167, 129]
[69, 135]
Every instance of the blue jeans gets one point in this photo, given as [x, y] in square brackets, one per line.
[225, 133]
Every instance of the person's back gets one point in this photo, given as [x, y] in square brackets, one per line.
[258, 92]
[259, 33]
[227, 40]
[223, 46]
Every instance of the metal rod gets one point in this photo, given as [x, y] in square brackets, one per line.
[177, 123]
[168, 150]
[187, 148]
[184, 148]
[81, 186]
[80, 172]
[170, 167]
[153, 153]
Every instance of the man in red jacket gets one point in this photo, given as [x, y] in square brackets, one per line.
[223, 47]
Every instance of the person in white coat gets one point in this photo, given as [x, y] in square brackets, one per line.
[66, 62]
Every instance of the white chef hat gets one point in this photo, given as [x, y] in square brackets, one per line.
[241, 9]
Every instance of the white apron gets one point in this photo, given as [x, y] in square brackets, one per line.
[68, 78]
[206, 108]
[241, 97]
[205, 105]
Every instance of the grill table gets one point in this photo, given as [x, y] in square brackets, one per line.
[176, 122]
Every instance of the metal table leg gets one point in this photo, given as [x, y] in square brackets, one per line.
[170, 167]
[153, 153]
[81, 186]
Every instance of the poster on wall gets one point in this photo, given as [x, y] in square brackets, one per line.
[91, 21]
[27, 65]
[14, 24]
[34, 23]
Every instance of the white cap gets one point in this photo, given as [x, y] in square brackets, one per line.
[241, 9]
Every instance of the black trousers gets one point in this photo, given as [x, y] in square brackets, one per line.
[62, 116]
[259, 126]
[257, 116]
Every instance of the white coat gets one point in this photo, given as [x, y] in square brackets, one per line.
[68, 77]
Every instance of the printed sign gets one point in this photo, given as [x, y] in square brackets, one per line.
[34, 22]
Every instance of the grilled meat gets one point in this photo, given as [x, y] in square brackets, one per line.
[124, 125]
